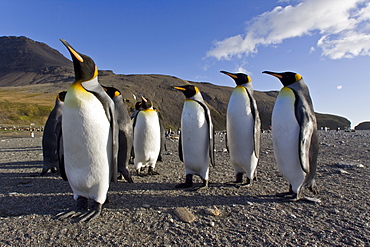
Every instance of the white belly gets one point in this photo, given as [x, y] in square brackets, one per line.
[195, 139]
[87, 140]
[240, 126]
[285, 136]
[147, 139]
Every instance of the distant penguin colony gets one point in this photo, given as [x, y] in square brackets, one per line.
[90, 138]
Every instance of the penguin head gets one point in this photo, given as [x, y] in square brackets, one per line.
[112, 91]
[188, 90]
[84, 66]
[286, 78]
[138, 106]
[239, 78]
[61, 96]
[145, 103]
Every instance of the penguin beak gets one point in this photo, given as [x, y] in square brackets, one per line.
[144, 99]
[274, 74]
[229, 74]
[180, 88]
[73, 52]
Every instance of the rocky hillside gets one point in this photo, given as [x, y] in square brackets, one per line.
[363, 126]
[40, 72]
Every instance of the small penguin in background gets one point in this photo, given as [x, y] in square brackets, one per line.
[49, 137]
[243, 127]
[294, 134]
[196, 143]
[147, 138]
[90, 139]
[125, 136]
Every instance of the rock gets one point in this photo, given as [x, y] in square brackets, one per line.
[341, 171]
[184, 215]
[212, 211]
[349, 165]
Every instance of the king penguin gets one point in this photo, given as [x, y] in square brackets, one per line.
[90, 138]
[125, 136]
[49, 137]
[196, 144]
[243, 127]
[294, 134]
[147, 138]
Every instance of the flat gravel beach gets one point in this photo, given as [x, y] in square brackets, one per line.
[145, 213]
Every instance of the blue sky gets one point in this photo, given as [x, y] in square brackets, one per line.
[326, 41]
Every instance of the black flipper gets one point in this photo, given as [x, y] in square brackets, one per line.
[211, 132]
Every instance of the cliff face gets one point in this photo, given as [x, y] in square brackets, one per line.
[39, 68]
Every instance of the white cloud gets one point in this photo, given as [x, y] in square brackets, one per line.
[343, 25]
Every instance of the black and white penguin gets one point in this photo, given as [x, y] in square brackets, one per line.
[294, 133]
[196, 144]
[90, 138]
[126, 134]
[243, 127]
[49, 137]
[147, 137]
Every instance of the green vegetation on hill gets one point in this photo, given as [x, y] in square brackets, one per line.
[23, 113]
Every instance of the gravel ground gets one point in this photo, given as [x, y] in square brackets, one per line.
[143, 213]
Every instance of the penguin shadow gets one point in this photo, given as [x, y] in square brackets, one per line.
[27, 192]
[19, 165]
[29, 149]
[165, 195]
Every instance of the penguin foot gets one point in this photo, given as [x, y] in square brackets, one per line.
[238, 180]
[204, 186]
[188, 182]
[92, 214]
[127, 177]
[53, 170]
[184, 185]
[292, 198]
[82, 205]
[151, 171]
[284, 194]
[140, 173]
[248, 183]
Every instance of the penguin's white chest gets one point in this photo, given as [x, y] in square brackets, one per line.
[285, 136]
[240, 125]
[87, 140]
[195, 137]
[147, 137]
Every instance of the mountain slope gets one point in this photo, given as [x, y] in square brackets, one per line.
[40, 72]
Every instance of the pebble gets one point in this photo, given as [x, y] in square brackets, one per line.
[212, 211]
[184, 215]
[341, 171]
[349, 165]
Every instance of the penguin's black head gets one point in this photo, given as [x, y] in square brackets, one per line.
[112, 91]
[188, 90]
[84, 66]
[239, 78]
[145, 103]
[138, 106]
[61, 96]
[286, 78]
